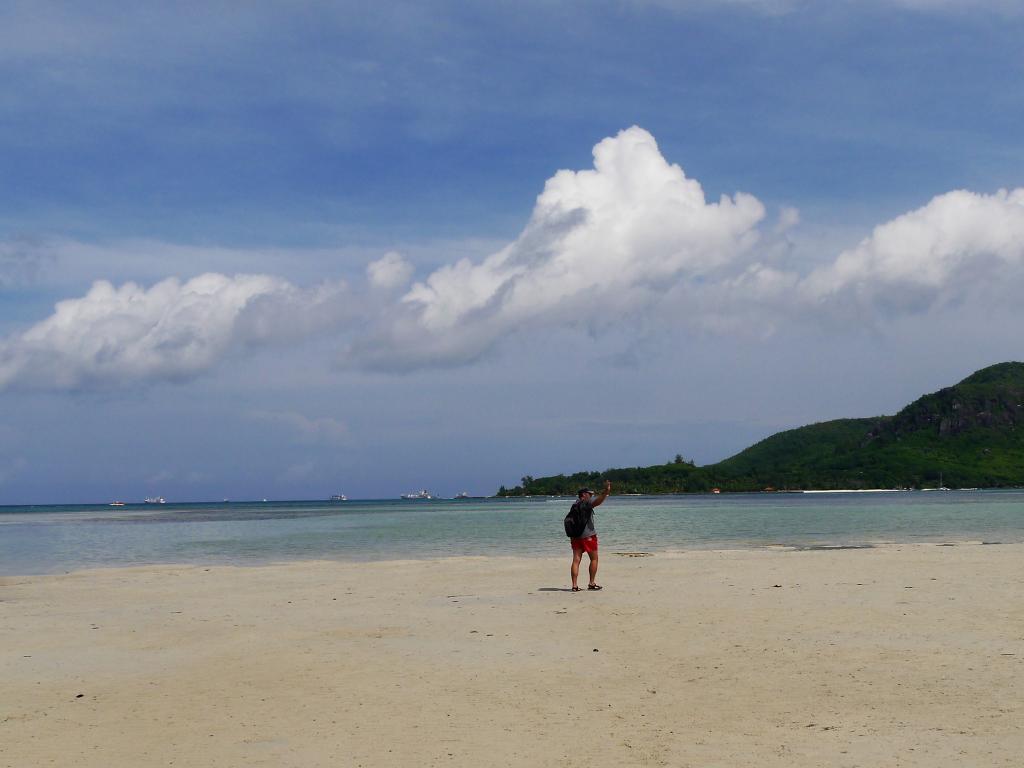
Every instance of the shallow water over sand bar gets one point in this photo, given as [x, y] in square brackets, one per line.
[61, 538]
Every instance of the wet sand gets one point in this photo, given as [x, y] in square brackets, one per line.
[906, 655]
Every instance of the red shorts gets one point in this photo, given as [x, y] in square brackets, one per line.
[588, 544]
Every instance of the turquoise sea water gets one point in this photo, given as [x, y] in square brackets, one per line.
[48, 539]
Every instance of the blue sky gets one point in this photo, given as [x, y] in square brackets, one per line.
[621, 317]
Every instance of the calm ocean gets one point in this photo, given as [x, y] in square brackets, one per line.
[48, 539]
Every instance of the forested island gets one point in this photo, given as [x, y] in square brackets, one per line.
[970, 435]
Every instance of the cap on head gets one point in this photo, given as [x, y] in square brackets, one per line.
[581, 491]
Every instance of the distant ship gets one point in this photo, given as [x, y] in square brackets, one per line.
[155, 500]
[339, 497]
[424, 494]
[463, 495]
[116, 504]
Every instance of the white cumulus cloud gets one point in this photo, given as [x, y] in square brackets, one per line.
[958, 248]
[634, 237]
[600, 242]
[172, 330]
[630, 242]
[958, 242]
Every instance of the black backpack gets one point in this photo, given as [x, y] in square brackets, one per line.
[576, 521]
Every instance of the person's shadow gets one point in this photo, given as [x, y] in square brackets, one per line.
[554, 589]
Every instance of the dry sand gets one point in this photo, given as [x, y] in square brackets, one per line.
[895, 656]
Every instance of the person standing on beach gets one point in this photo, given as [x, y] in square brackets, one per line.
[587, 541]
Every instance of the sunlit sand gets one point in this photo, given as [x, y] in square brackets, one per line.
[907, 655]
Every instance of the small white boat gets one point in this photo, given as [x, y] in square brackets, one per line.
[155, 500]
[116, 504]
[463, 495]
[422, 494]
[339, 497]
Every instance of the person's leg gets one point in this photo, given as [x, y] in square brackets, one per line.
[574, 571]
[593, 567]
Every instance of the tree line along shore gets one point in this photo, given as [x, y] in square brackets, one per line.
[969, 435]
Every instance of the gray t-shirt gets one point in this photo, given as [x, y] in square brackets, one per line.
[588, 509]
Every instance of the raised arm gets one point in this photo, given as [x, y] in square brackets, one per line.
[599, 499]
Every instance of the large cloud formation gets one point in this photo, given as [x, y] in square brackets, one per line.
[631, 239]
[959, 246]
[117, 336]
[599, 243]
[635, 236]
[955, 243]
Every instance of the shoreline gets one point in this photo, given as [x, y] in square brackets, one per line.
[135, 505]
[715, 547]
[908, 653]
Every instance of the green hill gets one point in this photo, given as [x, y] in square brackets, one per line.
[967, 435]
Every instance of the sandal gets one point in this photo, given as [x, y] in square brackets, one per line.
[575, 589]
[593, 586]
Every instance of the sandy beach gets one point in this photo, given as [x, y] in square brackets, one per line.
[909, 655]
